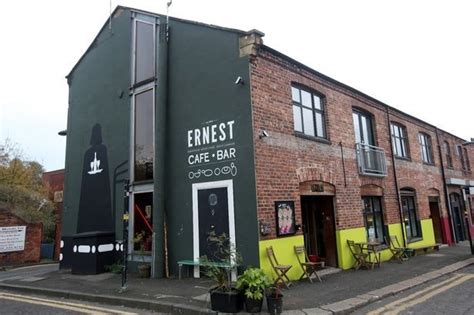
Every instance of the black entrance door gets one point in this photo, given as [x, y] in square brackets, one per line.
[458, 218]
[213, 208]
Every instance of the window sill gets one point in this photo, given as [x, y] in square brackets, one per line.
[414, 240]
[402, 158]
[312, 138]
[429, 164]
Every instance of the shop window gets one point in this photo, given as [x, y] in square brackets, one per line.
[308, 112]
[143, 222]
[426, 148]
[144, 51]
[447, 152]
[399, 140]
[410, 215]
[373, 218]
[143, 136]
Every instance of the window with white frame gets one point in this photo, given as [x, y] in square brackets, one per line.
[308, 112]
[426, 148]
[399, 140]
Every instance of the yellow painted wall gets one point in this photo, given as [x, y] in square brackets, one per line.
[427, 233]
[285, 254]
[345, 259]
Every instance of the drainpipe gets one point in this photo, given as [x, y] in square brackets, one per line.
[445, 189]
[400, 211]
[161, 105]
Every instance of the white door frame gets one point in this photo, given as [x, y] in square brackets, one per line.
[230, 201]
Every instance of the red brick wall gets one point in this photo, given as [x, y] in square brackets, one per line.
[33, 235]
[283, 160]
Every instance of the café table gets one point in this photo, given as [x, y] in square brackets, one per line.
[371, 247]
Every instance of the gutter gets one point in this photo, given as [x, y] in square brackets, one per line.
[400, 211]
[445, 188]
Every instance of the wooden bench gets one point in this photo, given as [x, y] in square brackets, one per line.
[194, 263]
[425, 248]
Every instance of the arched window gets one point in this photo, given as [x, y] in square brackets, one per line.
[447, 152]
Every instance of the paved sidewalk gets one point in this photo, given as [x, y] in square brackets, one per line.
[339, 293]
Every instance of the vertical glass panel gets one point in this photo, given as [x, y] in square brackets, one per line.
[297, 118]
[144, 146]
[355, 119]
[144, 52]
[143, 222]
[365, 129]
[319, 125]
[308, 121]
[403, 153]
[399, 151]
[295, 94]
[317, 102]
[306, 99]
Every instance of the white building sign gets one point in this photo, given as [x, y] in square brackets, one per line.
[211, 150]
[12, 238]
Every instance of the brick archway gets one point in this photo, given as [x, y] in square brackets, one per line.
[315, 173]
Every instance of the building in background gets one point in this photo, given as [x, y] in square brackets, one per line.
[217, 132]
[54, 182]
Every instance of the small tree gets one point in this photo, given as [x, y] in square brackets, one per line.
[21, 187]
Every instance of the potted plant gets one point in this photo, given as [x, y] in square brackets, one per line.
[224, 297]
[253, 282]
[144, 269]
[274, 300]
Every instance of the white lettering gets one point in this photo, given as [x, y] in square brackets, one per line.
[213, 133]
[198, 158]
[190, 138]
[231, 133]
[225, 154]
[197, 137]
[205, 135]
[222, 131]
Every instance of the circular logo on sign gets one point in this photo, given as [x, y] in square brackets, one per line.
[212, 200]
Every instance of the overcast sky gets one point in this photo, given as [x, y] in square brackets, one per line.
[417, 56]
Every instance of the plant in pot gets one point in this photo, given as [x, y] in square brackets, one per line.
[253, 282]
[144, 269]
[223, 258]
[274, 300]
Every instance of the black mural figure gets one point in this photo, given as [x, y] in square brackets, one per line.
[95, 210]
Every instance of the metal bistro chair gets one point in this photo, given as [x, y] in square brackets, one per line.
[280, 270]
[309, 267]
[361, 258]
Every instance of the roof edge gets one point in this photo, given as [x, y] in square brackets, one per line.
[354, 90]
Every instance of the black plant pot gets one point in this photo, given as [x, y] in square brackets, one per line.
[226, 302]
[252, 305]
[275, 304]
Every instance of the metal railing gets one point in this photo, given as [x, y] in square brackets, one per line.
[371, 160]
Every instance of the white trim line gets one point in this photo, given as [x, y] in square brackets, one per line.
[229, 184]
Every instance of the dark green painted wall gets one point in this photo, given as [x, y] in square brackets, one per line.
[203, 66]
[98, 93]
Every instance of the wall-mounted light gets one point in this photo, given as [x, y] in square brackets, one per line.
[62, 132]
[264, 228]
[263, 134]
[239, 81]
